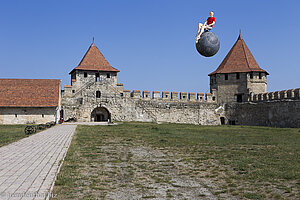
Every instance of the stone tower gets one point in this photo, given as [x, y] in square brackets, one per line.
[239, 76]
[93, 68]
[93, 81]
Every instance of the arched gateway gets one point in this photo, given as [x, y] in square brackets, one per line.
[100, 114]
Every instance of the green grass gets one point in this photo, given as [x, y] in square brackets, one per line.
[141, 158]
[11, 133]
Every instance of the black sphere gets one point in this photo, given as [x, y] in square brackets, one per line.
[208, 44]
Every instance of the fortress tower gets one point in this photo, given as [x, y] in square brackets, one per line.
[93, 68]
[92, 81]
[238, 76]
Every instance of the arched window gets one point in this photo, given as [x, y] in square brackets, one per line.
[98, 94]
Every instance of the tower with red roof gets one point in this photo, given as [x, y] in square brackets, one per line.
[238, 76]
[92, 68]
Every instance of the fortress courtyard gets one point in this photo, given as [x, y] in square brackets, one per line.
[151, 161]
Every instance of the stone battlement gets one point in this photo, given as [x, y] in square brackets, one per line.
[291, 94]
[172, 96]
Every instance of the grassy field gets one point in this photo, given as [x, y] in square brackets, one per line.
[11, 133]
[176, 161]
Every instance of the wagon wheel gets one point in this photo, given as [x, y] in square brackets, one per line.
[41, 127]
[29, 130]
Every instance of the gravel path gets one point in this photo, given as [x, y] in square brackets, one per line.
[29, 166]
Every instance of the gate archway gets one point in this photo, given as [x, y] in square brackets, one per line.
[100, 114]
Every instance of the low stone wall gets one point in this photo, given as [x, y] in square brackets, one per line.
[272, 113]
[28, 115]
[182, 112]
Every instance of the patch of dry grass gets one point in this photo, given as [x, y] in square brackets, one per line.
[176, 161]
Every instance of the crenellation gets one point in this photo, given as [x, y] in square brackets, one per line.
[259, 97]
[290, 94]
[126, 93]
[255, 97]
[183, 96]
[265, 97]
[297, 93]
[120, 87]
[208, 97]
[67, 90]
[165, 95]
[276, 95]
[136, 94]
[251, 95]
[200, 97]
[271, 95]
[192, 96]
[73, 81]
[156, 95]
[174, 96]
[146, 95]
[283, 94]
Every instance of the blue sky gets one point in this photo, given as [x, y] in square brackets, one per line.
[150, 41]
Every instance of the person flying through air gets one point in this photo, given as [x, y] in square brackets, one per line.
[208, 25]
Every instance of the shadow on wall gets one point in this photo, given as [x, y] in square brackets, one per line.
[283, 114]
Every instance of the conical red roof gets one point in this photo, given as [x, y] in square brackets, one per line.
[94, 60]
[239, 59]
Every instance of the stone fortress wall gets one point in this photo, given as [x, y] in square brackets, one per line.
[186, 108]
[280, 108]
[126, 105]
[277, 109]
[291, 94]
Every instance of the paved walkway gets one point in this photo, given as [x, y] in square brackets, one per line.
[91, 123]
[29, 166]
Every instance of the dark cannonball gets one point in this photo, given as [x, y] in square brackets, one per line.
[208, 44]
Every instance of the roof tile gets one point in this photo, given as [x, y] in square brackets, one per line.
[29, 92]
[93, 60]
[239, 59]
